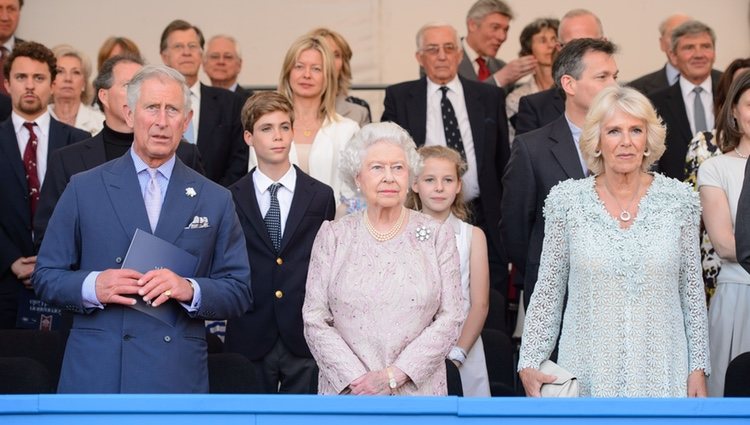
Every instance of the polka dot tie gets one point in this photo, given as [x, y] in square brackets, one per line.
[29, 164]
[450, 124]
[273, 217]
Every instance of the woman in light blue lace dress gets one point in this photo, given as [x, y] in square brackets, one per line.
[623, 244]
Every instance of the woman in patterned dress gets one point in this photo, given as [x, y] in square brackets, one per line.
[623, 244]
[383, 303]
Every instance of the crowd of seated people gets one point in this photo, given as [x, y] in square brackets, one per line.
[149, 214]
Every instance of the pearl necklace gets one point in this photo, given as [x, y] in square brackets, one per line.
[737, 151]
[625, 215]
[390, 234]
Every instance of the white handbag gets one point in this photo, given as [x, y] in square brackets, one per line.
[566, 384]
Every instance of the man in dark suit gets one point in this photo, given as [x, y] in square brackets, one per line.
[544, 157]
[668, 74]
[222, 62]
[480, 118]
[487, 25]
[10, 15]
[280, 225]
[113, 348]
[112, 142]
[215, 126]
[692, 51]
[539, 109]
[27, 140]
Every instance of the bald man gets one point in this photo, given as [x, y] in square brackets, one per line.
[668, 74]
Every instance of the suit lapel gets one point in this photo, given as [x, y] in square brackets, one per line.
[178, 208]
[476, 112]
[466, 68]
[58, 136]
[300, 201]
[564, 149]
[248, 205]
[677, 105]
[416, 111]
[9, 146]
[207, 121]
[125, 195]
[94, 154]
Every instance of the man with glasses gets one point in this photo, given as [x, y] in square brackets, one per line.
[443, 108]
[215, 126]
[223, 63]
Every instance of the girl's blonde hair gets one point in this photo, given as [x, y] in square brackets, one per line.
[459, 207]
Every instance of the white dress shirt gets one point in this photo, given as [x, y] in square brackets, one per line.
[435, 133]
[262, 183]
[707, 97]
[195, 99]
[41, 129]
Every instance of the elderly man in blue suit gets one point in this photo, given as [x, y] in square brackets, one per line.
[113, 348]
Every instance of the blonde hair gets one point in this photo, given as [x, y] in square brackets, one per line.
[330, 86]
[631, 102]
[345, 76]
[66, 50]
[459, 207]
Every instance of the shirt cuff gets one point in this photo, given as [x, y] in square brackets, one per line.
[88, 292]
[196, 304]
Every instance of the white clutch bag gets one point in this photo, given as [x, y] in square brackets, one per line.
[566, 384]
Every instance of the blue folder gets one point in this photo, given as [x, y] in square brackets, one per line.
[148, 252]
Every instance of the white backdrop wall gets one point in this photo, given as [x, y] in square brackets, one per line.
[381, 32]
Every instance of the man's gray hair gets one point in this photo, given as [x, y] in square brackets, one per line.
[482, 8]
[432, 25]
[226, 37]
[106, 77]
[691, 28]
[576, 13]
[160, 72]
[350, 159]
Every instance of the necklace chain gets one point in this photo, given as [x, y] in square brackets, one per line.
[625, 215]
[390, 234]
[737, 151]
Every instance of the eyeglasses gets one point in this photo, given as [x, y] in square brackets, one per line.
[218, 56]
[434, 49]
[190, 47]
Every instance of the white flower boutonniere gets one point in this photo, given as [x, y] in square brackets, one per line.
[423, 233]
[190, 192]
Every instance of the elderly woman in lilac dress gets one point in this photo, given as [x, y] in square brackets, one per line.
[383, 305]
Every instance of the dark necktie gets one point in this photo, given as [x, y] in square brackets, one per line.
[450, 124]
[273, 217]
[484, 71]
[699, 114]
[29, 163]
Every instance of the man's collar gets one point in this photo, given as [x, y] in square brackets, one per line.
[686, 86]
[165, 169]
[470, 52]
[263, 182]
[454, 85]
[42, 121]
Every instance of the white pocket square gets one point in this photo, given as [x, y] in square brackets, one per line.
[198, 223]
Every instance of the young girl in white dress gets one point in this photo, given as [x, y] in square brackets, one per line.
[437, 193]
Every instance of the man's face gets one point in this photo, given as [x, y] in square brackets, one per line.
[487, 35]
[10, 13]
[439, 54]
[115, 98]
[30, 86]
[599, 71]
[221, 62]
[581, 26]
[665, 41]
[158, 120]
[183, 53]
[694, 56]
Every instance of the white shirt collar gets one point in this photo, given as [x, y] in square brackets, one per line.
[10, 44]
[263, 182]
[470, 53]
[453, 85]
[686, 86]
[672, 73]
[42, 122]
[164, 169]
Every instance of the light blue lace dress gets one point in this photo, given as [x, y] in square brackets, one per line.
[635, 320]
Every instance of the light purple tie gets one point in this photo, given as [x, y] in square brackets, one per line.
[153, 198]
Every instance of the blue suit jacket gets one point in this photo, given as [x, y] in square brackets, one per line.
[255, 333]
[15, 211]
[118, 349]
